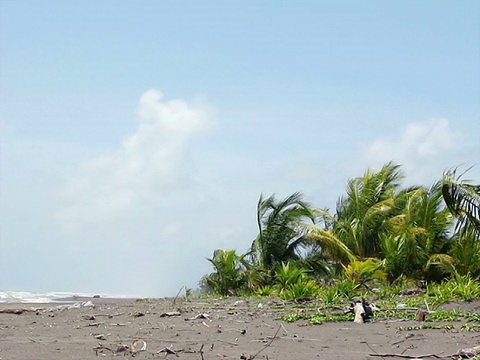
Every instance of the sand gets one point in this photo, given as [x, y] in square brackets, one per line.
[209, 329]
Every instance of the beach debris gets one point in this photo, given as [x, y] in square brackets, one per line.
[412, 291]
[137, 314]
[100, 349]
[420, 316]
[241, 331]
[244, 357]
[200, 316]
[363, 311]
[99, 336]
[405, 356]
[15, 311]
[97, 324]
[251, 357]
[121, 349]
[138, 346]
[77, 305]
[37, 341]
[469, 353]
[94, 316]
[170, 313]
[168, 350]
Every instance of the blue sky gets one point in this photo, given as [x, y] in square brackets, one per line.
[137, 136]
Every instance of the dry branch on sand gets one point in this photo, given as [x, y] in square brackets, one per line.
[461, 354]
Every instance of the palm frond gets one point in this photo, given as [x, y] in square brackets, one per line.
[462, 199]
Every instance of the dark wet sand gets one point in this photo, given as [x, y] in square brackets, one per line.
[228, 329]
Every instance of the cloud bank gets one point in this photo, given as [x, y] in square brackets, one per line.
[424, 149]
[129, 214]
[150, 163]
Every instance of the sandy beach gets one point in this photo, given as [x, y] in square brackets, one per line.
[201, 329]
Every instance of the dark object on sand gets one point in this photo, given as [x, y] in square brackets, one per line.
[363, 311]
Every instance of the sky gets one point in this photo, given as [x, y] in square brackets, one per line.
[136, 137]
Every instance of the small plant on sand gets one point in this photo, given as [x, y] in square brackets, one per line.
[465, 288]
[265, 291]
[346, 289]
[287, 274]
[317, 318]
[471, 327]
[456, 288]
[303, 289]
[426, 326]
[473, 317]
[363, 272]
[331, 296]
[441, 293]
[229, 275]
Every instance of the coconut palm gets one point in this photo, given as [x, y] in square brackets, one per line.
[417, 230]
[361, 214]
[353, 232]
[362, 272]
[466, 253]
[463, 200]
[282, 230]
[463, 258]
[229, 275]
[377, 219]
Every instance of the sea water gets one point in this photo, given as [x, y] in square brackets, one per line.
[50, 297]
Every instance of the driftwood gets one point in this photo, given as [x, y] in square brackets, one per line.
[15, 311]
[470, 352]
[436, 356]
[170, 313]
[461, 354]
[267, 345]
[136, 347]
[168, 350]
[199, 316]
[93, 316]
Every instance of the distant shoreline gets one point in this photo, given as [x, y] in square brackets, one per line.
[26, 297]
[95, 299]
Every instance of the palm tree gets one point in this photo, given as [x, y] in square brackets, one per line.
[416, 231]
[463, 200]
[362, 213]
[229, 275]
[353, 232]
[282, 230]
[362, 272]
[377, 219]
[465, 253]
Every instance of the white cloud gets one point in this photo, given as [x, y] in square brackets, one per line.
[424, 149]
[136, 214]
[150, 162]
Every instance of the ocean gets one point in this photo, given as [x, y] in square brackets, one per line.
[50, 297]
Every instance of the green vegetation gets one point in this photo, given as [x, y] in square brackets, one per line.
[381, 239]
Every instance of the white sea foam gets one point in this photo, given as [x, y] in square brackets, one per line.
[51, 297]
